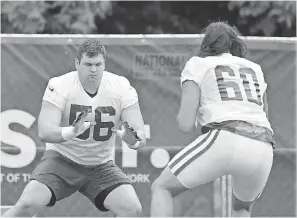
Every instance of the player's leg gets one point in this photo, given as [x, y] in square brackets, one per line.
[250, 169]
[53, 179]
[204, 160]
[241, 208]
[110, 190]
[123, 201]
[164, 188]
[34, 197]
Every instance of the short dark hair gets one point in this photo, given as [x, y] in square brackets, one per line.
[92, 48]
[219, 38]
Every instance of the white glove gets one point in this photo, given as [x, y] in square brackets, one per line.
[79, 126]
[128, 135]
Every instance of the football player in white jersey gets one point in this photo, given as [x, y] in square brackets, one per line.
[225, 93]
[81, 114]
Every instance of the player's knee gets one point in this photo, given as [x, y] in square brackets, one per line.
[157, 185]
[27, 204]
[239, 205]
[136, 209]
[154, 186]
[24, 204]
[133, 209]
[160, 186]
[35, 196]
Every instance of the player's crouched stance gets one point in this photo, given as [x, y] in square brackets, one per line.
[79, 120]
[228, 92]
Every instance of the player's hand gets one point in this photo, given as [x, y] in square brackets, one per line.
[80, 124]
[127, 134]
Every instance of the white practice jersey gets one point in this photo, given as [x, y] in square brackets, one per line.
[96, 144]
[231, 87]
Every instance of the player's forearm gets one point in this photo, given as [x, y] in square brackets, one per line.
[142, 136]
[189, 105]
[50, 133]
[185, 124]
[265, 104]
[187, 128]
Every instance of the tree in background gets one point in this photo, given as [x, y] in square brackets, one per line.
[179, 17]
[52, 16]
[261, 18]
[267, 18]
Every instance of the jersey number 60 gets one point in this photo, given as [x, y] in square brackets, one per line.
[248, 86]
[75, 108]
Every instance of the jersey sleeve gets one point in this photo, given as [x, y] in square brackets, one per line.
[127, 92]
[262, 82]
[54, 94]
[194, 70]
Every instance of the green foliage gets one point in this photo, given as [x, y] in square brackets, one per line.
[179, 17]
[53, 16]
[262, 18]
[24, 16]
[265, 16]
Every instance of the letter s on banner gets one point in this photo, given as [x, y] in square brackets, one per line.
[23, 142]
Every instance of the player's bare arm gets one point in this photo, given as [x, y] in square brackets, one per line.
[265, 103]
[189, 105]
[49, 128]
[134, 126]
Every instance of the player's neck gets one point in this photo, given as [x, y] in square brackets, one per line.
[91, 88]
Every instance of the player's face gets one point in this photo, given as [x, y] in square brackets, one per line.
[90, 70]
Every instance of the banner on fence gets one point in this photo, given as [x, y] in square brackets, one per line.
[153, 68]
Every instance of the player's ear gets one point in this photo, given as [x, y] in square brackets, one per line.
[76, 63]
[104, 64]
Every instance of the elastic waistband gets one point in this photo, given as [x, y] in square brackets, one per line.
[245, 129]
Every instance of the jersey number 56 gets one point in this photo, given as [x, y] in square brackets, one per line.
[75, 108]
